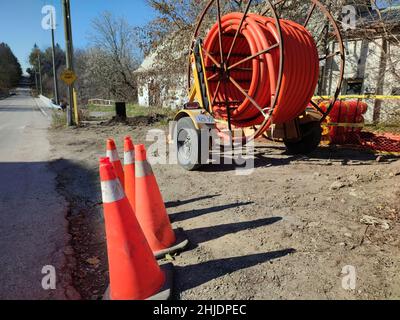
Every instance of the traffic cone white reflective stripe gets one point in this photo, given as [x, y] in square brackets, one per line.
[129, 171]
[129, 158]
[112, 191]
[143, 169]
[113, 155]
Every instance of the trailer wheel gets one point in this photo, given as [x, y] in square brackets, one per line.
[188, 145]
[311, 139]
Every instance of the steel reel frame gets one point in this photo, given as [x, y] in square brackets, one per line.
[223, 66]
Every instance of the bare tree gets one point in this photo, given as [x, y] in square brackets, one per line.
[116, 56]
[169, 34]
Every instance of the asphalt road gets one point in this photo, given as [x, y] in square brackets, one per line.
[33, 228]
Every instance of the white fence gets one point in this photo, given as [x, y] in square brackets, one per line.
[101, 102]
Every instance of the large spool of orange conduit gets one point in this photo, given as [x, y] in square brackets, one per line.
[259, 77]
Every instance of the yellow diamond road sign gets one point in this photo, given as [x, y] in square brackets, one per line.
[69, 77]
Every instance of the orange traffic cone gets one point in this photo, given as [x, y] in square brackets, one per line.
[134, 272]
[151, 212]
[112, 154]
[129, 170]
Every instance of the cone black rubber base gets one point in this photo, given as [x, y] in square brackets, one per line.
[180, 244]
[165, 292]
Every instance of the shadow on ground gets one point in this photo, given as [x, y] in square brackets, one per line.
[346, 153]
[192, 276]
[276, 156]
[186, 215]
[201, 235]
[173, 204]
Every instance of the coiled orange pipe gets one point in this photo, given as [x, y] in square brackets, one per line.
[343, 114]
[259, 76]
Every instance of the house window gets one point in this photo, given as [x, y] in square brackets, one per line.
[354, 86]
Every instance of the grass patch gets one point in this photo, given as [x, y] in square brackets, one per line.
[383, 128]
[134, 110]
[58, 120]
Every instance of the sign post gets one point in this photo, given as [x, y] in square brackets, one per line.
[69, 74]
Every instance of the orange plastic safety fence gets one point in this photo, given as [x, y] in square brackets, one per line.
[344, 127]
[389, 143]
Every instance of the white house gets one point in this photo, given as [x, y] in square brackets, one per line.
[372, 64]
[157, 89]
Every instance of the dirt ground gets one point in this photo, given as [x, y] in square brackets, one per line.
[284, 232]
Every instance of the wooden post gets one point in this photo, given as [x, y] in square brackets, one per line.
[381, 81]
[120, 109]
[76, 111]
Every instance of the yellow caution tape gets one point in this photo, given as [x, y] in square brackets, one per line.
[362, 97]
[345, 125]
[388, 153]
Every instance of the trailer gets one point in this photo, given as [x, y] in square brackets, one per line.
[253, 74]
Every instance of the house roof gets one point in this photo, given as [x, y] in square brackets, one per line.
[172, 44]
[388, 15]
[148, 62]
[370, 20]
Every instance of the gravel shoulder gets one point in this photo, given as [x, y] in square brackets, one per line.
[285, 232]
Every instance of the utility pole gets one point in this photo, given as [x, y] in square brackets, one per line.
[36, 80]
[40, 72]
[54, 60]
[69, 56]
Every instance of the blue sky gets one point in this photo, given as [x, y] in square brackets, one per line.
[20, 21]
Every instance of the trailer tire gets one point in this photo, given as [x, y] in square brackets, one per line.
[188, 145]
[311, 139]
